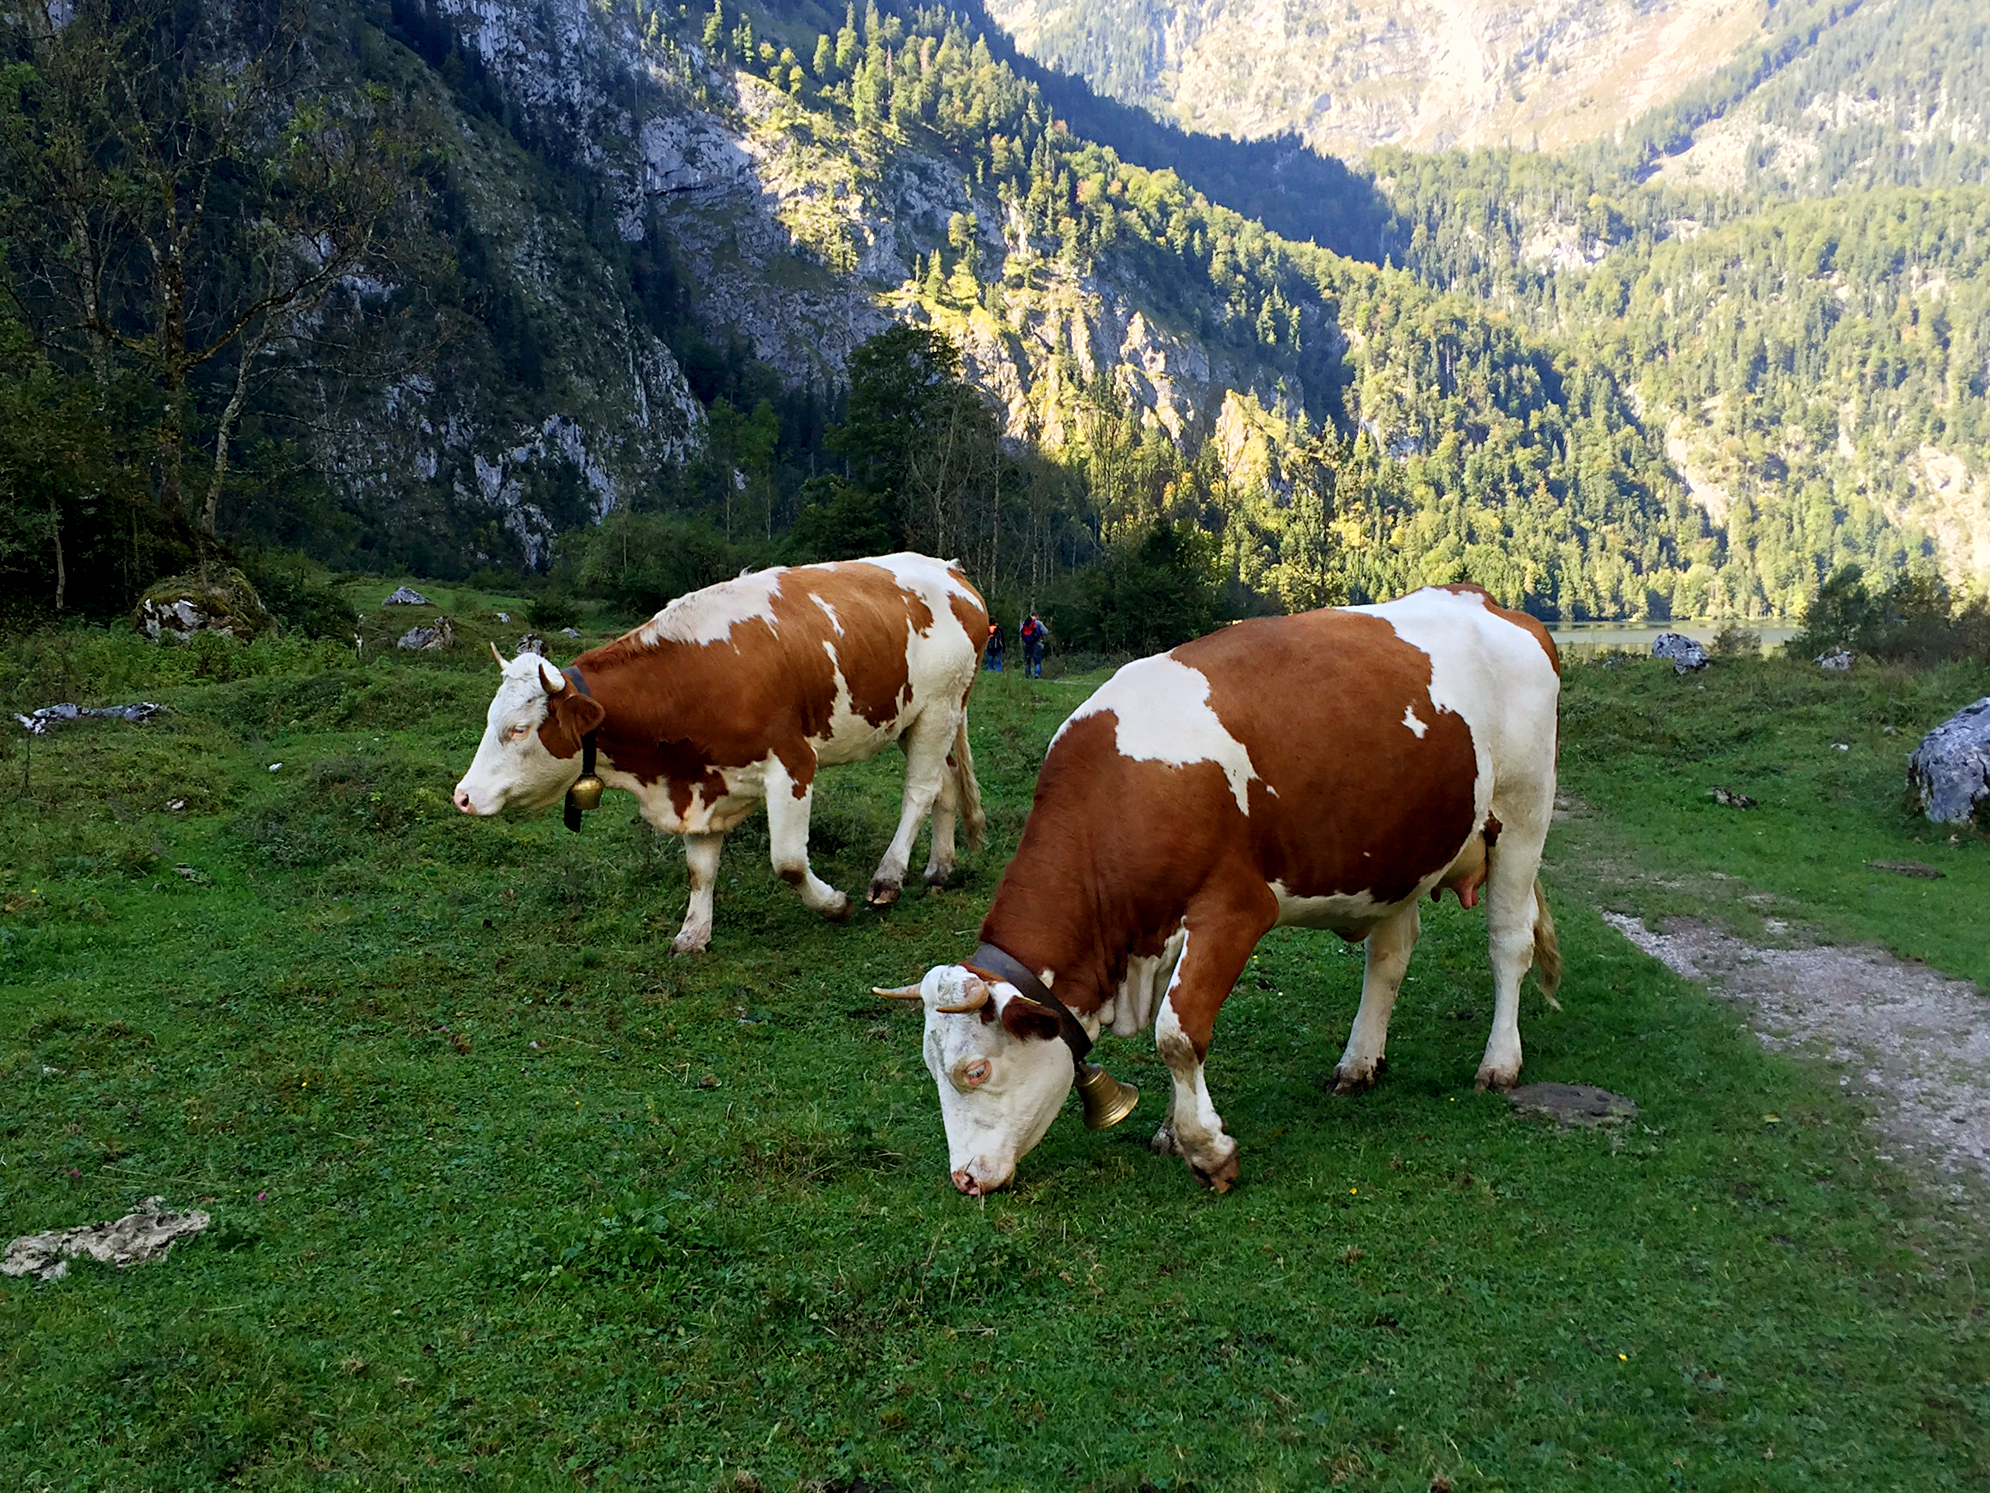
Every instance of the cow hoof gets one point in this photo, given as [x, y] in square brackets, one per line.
[937, 878]
[1220, 1177]
[840, 911]
[1499, 1080]
[883, 893]
[690, 943]
[1354, 1078]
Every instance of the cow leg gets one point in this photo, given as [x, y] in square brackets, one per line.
[1389, 946]
[1510, 913]
[925, 744]
[1214, 951]
[946, 809]
[788, 806]
[701, 857]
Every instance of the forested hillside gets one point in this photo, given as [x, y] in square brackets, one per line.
[787, 282]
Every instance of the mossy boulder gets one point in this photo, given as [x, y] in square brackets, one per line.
[223, 601]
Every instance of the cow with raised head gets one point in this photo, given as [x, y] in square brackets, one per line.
[1327, 770]
[738, 694]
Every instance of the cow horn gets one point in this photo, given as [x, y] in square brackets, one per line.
[897, 992]
[978, 995]
[554, 681]
[497, 655]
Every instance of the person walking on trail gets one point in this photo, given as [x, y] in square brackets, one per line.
[992, 656]
[1033, 635]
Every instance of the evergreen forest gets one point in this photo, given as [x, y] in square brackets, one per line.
[385, 287]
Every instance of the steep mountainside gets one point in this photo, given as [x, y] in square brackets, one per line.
[645, 248]
[1427, 74]
[1893, 92]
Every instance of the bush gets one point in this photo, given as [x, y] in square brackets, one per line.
[1736, 641]
[1916, 620]
[1148, 594]
[299, 595]
[638, 561]
[552, 611]
[840, 520]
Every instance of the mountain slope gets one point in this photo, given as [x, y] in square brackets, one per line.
[654, 242]
[1426, 74]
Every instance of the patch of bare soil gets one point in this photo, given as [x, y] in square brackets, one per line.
[1914, 1044]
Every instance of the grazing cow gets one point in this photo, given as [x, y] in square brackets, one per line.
[1327, 770]
[738, 693]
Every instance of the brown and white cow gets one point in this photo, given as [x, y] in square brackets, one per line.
[1327, 770]
[739, 693]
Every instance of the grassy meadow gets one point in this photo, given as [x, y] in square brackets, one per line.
[506, 1196]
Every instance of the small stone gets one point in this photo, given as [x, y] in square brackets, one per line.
[1727, 798]
[406, 596]
[1686, 655]
[571, 632]
[1573, 1104]
[531, 642]
[1837, 661]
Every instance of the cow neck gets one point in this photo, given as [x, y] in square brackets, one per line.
[1060, 934]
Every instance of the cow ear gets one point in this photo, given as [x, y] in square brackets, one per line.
[1025, 1020]
[579, 713]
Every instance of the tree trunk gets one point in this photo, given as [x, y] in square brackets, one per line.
[172, 355]
[61, 570]
[226, 427]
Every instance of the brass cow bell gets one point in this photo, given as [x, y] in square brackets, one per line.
[586, 793]
[1107, 1101]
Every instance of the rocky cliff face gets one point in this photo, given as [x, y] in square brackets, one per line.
[1423, 73]
[800, 238]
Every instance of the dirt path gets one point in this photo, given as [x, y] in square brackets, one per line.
[1912, 1043]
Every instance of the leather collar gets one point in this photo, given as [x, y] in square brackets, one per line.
[571, 813]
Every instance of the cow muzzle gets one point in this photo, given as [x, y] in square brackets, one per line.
[982, 1176]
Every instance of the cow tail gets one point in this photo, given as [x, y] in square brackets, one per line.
[1547, 953]
[971, 813]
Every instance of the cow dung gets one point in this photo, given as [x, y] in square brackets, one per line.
[1573, 1104]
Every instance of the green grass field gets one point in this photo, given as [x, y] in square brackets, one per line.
[506, 1196]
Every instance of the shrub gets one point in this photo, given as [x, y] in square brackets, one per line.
[299, 595]
[1148, 593]
[1736, 641]
[638, 561]
[1916, 620]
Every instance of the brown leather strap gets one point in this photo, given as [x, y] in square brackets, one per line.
[989, 960]
[571, 813]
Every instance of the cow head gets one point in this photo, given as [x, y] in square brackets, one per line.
[530, 754]
[1002, 1069]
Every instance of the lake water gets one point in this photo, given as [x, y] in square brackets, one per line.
[1639, 635]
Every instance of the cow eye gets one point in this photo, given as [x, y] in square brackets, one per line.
[973, 1075]
[518, 733]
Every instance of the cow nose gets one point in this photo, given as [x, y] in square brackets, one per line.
[982, 1176]
[463, 800]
